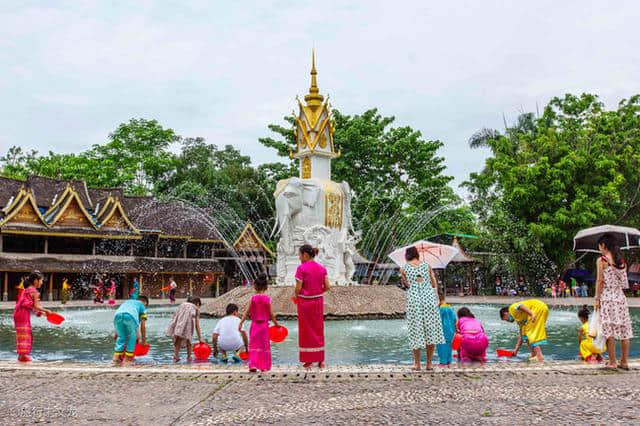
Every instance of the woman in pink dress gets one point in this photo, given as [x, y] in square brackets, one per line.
[311, 283]
[474, 344]
[611, 302]
[29, 301]
[260, 311]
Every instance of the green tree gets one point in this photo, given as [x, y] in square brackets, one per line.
[575, 166]
[224, 181]
[135, 156]
[15, 163]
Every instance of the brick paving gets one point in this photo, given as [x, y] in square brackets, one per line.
[501, 394]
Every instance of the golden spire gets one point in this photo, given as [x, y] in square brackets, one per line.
[314, 98]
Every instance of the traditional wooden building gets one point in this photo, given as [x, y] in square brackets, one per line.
[252, 251]
[67, 230]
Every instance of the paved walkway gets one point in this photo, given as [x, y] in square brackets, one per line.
[502, 394]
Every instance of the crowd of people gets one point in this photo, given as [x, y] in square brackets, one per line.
[432, 323]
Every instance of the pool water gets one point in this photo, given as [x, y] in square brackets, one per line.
[87, 335]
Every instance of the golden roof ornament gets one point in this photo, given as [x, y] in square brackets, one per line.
[314, 98]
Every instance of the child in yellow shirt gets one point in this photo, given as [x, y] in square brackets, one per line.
[588, 352]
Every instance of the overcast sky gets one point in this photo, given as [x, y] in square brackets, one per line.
[71, 72]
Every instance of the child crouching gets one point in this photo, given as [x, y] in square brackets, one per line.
[588, 352]
[130, 316]
[228, 337]
[474, 344]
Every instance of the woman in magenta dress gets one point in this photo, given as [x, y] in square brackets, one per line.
[260, 311]
[311, 283]
[29, 301]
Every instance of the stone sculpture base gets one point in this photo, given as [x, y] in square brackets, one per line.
[340, 303]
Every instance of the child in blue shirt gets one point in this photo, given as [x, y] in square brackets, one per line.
[129, 316]
[448, 318]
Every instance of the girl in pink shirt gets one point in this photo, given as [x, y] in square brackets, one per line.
[260, 311]
[474, 341]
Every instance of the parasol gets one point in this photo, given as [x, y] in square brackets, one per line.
[436, 255]
[587, 239]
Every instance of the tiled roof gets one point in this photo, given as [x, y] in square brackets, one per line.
[169, 218]
[48, 189]
[173, 217]
[8, 189]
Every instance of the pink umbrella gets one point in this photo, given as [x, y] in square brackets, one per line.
[436, 255]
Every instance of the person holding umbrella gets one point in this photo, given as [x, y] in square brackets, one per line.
[610, 301]
[423, 314]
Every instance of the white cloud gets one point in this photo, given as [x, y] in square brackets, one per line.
[70, 73]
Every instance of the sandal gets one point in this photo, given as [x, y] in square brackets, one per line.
[623, 367]
[609, 368]
[414, 368]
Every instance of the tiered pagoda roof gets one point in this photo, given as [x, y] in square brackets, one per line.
[54, 207]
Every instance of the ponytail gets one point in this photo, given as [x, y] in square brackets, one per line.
[308, 249]
[33, 277]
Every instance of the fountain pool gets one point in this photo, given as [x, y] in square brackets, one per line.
[87, 336]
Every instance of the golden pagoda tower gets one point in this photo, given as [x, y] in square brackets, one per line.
[314, 130]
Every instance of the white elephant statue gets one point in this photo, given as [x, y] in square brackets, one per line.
[296, 206]
[317, 212]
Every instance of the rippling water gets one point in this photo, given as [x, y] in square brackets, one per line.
[87, 335]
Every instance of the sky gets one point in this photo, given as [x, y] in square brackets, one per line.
[71, 71]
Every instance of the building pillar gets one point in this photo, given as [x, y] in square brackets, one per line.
[1, 241]
[140, 281]
[5, 291]
[46, 245]
[184, 250]
[162, 292]
[190, 286]
[131, 249]
[51, 287]
[217, 285]
[155, 248]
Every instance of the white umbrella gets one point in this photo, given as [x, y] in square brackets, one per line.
[587, 239]
[436, 255]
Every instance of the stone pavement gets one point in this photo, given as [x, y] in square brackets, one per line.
[500, 393]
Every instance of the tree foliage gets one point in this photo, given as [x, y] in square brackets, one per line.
[577, 165]
[135, 156]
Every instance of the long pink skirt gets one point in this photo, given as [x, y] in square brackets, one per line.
[311, 329]
[24, 337]
[259, 346]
